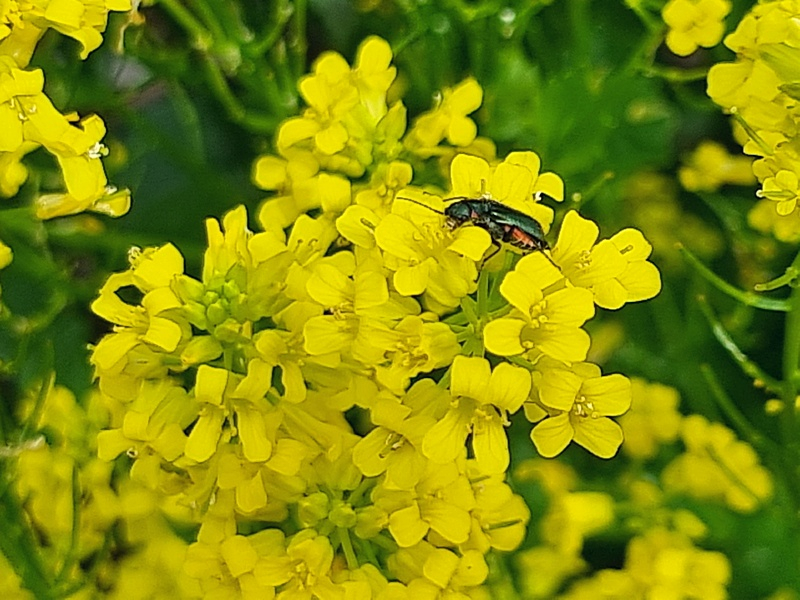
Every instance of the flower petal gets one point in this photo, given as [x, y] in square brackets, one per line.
[502, 337]
[552, 435]
[470, 377]
[602, 437]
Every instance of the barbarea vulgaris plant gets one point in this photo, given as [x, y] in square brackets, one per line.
[330, 397]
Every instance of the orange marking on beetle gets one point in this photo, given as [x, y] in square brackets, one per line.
[520, 236]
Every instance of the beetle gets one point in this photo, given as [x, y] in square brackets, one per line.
[503, 223]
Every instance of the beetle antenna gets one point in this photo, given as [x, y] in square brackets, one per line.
[420, 203]
[547, 256]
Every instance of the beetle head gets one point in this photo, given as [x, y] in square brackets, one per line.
[457, 214]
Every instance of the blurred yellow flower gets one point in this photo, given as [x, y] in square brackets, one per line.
[694, 23]
[447, 120]
[718, 466]
[653, 419]
[710, 166]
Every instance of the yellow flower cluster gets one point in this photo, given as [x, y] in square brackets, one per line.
[73, 504]
[760, 90]
[662, 560]
[320, 397]
[718, 466]
[660, 564]
[715, 465]
[28, 119]
[694, 23]
[663, 557]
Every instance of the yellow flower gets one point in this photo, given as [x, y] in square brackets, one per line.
[300, 568]
[780, 183]
[448, 120]
[606, 584]
[83, 20]
[386, 181]
[12, 172]
[652, 420]
[716, 465]
[711, 166]
[373, 74]
[739, 84]
[28, 117]
[758, 89]
[227, 565]
[615, 270]
[482, 399]
[23, 23]
[764, 218]
[440, 502]
[575, 516]
[411, 347]
[393, 446]
[152, 431]
[666, 564]
[152, 325]
[500, 517]
[543, 571]
[438, 572]
[155, 569]
[285, 349]
[297, 185]
[425, 256]
[347, 122]
[547, 318]
[578, 401]
[352, 304]
[694, 23]
[6, 255]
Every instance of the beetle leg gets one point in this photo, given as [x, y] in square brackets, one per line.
[497, 248]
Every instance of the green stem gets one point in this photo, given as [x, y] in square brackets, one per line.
[298, 46]
[581, 30]
[497, 281]
[211, 20]
[347, 548]
[747, 298]
[483, 295]
[281, 15]
[32, 422]
[750, 368]
[791, 362]
[18, 547]
[788, 278]
[592, 189]
[201, 38]
[675, 75]
[258, 123]
[355, 496]
[469, 308]
[727, 405]
[521, 362]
